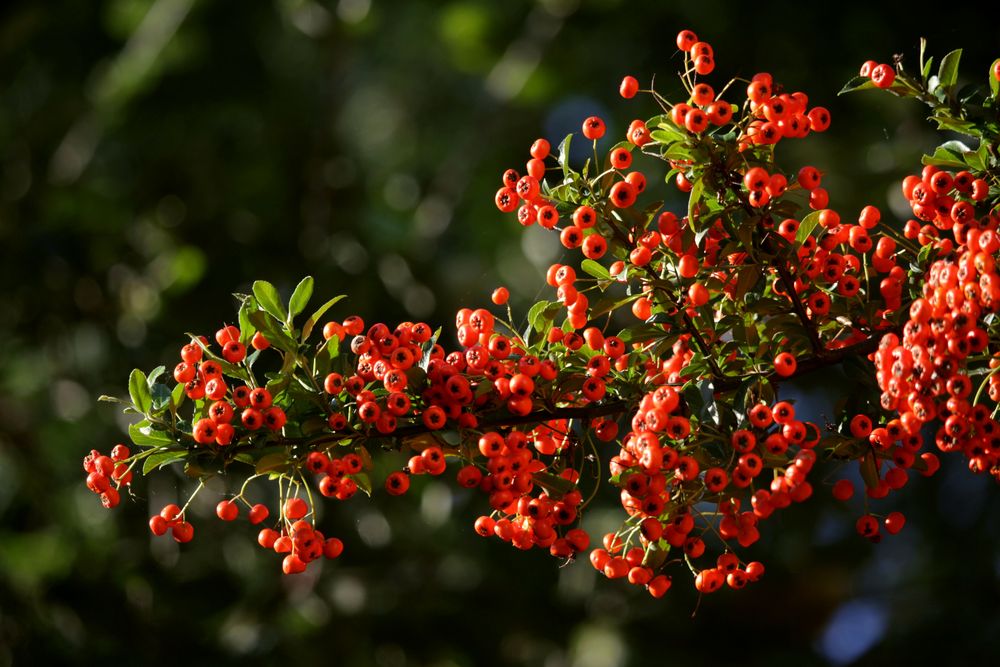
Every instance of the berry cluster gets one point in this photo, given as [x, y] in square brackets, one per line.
[661, 352]
[107, 474]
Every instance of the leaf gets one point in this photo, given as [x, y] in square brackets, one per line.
[161, 459]
[558, 485]
[428, 348]
[595, 269]
[564, 156]
[945, 157]
[276, 462]
[138, 390]
[962, 126]
[143, 434]
[948, 71]
[267, 297]
[641, 333]
[364, 482]
[869, 471]
[697, 188]
[745, 281]
[177, 397]
[161, 396]
[276, 336]
[247, 329]
[154, 374]
[857, 83]
[300, 297]
[541, 315]
[314, 318]
[806, 227]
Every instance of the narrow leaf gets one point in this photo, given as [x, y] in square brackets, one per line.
[314, 318]
[857, 83]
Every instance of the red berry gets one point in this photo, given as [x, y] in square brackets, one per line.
[629, 87]
[227, 510]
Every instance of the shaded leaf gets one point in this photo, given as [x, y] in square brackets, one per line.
[314, 318]
[275, 462]
[857, 83]
[948, 71]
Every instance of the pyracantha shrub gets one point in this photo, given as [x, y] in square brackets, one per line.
[653, 366]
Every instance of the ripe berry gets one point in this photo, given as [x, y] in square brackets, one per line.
[593, 128]
[227, 510]
[629, 87]
[843, 489]
[295, 509]
[397, 483]
[883, 76]
[785, 364]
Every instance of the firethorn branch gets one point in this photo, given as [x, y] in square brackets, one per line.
[750, 288]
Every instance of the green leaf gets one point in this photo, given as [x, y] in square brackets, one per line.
[948, 71]
[154, 375]
[247, 329]
[428, 348]
[994, 84]
[978, 159]
[947, 155]
[160, 459]
[857, 83]
[177, 397]
[564, 156]
[143, 434]
[541, 315]
[314, 318]
[138, 390]
[364, 482]
[697, 188]
[641, 333]
[300, 297]
[275, 335]
[962, 126]
[806, 227]
[595, 269]
[161, 396]
[267, 297]
[276, 462]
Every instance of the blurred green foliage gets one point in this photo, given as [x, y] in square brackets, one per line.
[157, 155]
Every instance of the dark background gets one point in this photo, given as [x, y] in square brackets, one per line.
[156, 156]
